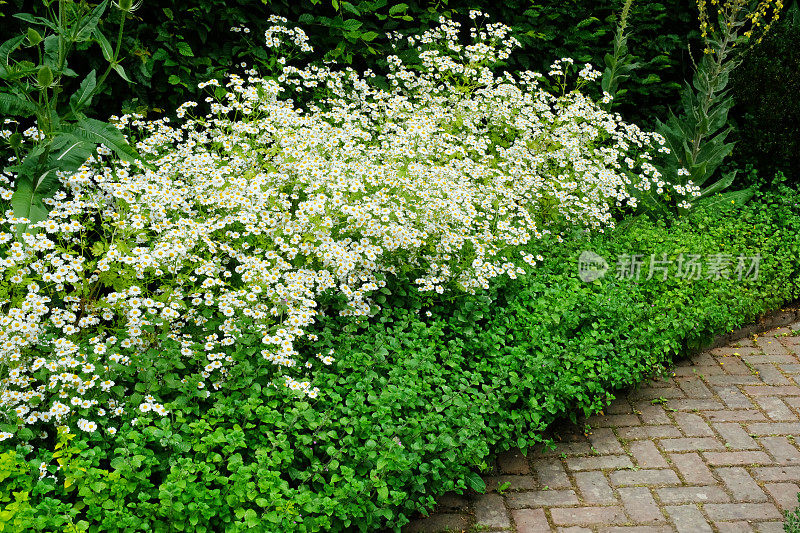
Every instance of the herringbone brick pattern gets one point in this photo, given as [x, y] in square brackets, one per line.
[716, 447]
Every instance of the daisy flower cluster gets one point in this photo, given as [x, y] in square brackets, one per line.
[236, 222]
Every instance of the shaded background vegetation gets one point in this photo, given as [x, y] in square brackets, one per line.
[172, 45]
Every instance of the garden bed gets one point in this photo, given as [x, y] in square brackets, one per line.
[421, 396]
[333, 296]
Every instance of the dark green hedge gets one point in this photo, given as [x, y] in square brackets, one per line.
[172, 45]
[765, 87]
[417, 403]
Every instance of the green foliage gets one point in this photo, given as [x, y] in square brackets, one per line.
[792, 524]
[35, 87]
[768, 117]
[174, 45]
[620, 62]
[420, 395]
[697, 139]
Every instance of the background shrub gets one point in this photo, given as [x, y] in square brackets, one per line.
[172, 45]
[767, 113]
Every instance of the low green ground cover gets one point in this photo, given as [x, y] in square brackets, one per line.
[792, 524]
[422, 393]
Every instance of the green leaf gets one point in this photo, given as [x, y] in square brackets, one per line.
[251, 519]
[7, 48]
[83, 96]
[121, 71]
[475, 482]
[39, 21]
[51, 51]
[11, 104]
[86, 26]
[27, 198]
[103, 132]
[712, 153]
[69, 152]
[15, 140]
[105, 46]
[351, 24]
[398, 8]
[718, 117]
[369, 36]
[719, 185]
[737, 198]
[184, 49]
[586, 22]
[347, 6]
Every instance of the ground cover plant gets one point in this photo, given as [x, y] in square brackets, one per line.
[792, 524]
[371, 451]
[247, 328]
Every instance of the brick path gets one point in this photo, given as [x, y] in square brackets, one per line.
[714, 448]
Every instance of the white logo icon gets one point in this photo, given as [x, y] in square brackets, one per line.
[591, 266]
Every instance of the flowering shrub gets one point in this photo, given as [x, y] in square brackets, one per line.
[244, 224]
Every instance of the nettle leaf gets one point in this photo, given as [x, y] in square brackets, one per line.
[347, 6]
[398, 8]
[184, 49]
[586, 22]
[351, 24]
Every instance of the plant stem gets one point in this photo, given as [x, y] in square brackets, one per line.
[114, 58]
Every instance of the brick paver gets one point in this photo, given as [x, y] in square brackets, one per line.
[715, 447]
